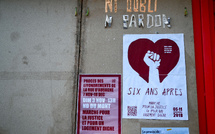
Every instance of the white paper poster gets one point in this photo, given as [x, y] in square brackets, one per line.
[181, 130]
[154, 77]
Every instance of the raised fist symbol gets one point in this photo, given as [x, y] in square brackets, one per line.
[152, 60]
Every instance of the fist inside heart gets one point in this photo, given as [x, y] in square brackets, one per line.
[164, 54]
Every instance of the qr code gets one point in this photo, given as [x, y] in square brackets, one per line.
[132, 110]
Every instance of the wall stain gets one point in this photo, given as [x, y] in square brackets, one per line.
[15, 36]
[44, 54]
[38, 47]
[40, 3]
[61, 112]
[25, 60]
[59, 39]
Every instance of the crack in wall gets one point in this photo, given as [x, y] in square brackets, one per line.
[78, 61]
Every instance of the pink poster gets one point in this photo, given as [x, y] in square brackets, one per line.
[99, 104]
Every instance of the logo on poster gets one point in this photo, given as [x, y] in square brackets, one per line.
[153, 61]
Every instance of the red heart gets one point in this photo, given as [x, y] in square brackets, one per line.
[166, 48]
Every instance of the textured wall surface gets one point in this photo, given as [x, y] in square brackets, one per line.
[44, 46]
[37, 66]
